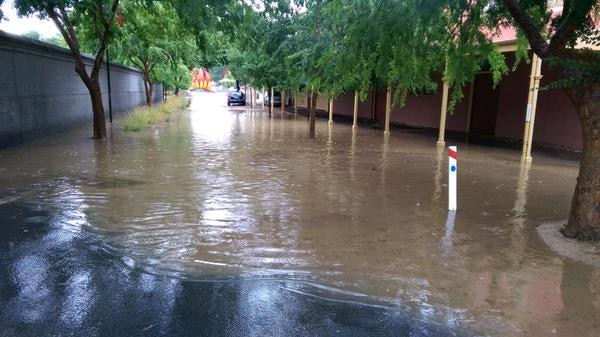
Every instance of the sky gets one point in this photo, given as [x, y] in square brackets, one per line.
[15, 25]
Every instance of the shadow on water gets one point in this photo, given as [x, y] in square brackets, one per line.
[57, 280]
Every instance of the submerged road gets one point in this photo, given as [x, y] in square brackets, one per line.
[224, 222]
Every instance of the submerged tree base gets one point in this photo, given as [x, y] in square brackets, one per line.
[143, 117]
[587, 234]
[586, 252]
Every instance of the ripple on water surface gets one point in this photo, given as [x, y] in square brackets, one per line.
[219, 194]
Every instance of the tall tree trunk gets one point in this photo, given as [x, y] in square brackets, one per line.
[584, 218]
[149, 93]
[311, 109]
[97, 108]
[148, 87]
[93, 85]
[58, 15]
[176, 91]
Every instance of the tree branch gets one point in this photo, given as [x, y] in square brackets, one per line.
[133, 61]
[67, 22]
[572, 16]
[71, 42]
[537, 43]
[104, 40]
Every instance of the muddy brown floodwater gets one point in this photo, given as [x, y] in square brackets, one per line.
[220, 194]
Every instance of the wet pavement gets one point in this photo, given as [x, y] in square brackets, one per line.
[224, 222]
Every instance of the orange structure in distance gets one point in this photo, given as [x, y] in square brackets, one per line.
[201, 79]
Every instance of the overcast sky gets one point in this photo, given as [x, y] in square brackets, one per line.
[13, 24]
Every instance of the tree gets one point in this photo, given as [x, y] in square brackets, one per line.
[68, 15]
[209, 20]
[258, 51]
[422, 37]
[173, 76]
[580, 69]
[280, 45]
[312, 38]
[554, 37]
[154, 41]
[212, 24]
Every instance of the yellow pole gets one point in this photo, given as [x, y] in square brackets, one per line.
[528, 109]
[355, 115]
[443, 110]
[295, 104]
[388, 110]
[331, 111]
[536, 85]
[282, 102]
[527, 129]
[271, 99]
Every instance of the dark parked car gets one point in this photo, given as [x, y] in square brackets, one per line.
[236, 97]
[276, 99]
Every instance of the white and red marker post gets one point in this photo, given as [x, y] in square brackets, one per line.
[452, 173]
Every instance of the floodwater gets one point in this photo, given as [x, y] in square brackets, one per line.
[224, 222]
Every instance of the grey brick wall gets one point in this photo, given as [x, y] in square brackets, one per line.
[41, 94]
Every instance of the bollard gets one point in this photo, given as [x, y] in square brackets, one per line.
[447, 239]
[452, 173]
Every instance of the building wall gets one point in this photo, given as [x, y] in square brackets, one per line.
[322, 102]
[344, 105]
[456, 120]
[41, 94]
[498, 112]
[419, 111]
[380, 99]
[556, 122]
[512, 101]
[484, 114]
[424, 111]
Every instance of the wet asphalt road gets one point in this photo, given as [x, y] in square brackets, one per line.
[57, 282]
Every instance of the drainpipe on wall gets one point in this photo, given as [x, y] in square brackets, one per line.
[108, 84]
